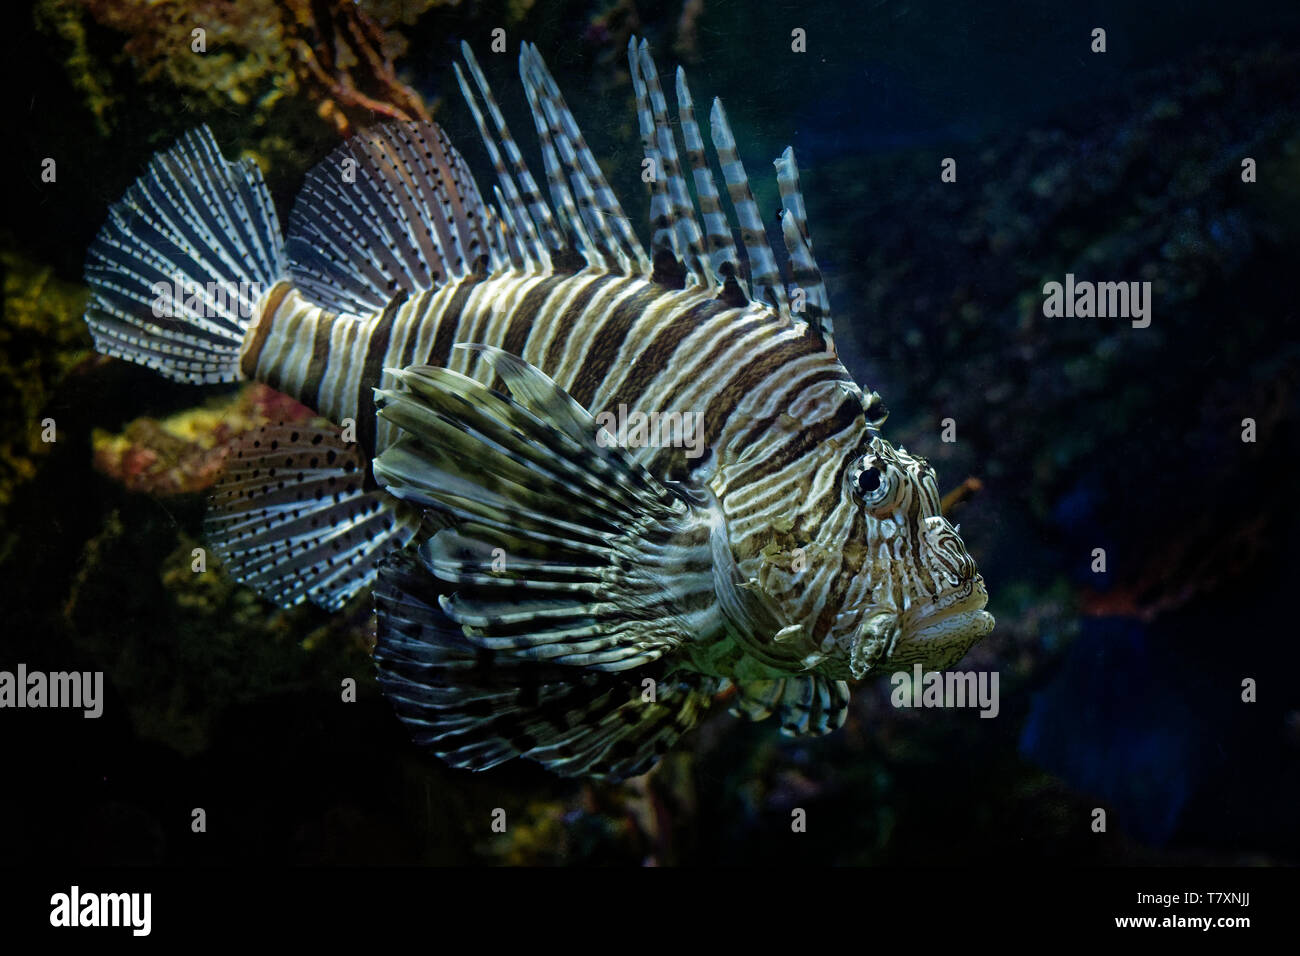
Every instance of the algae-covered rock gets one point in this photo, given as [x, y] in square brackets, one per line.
[41, 338]
[181, 643]
[186, 451]
[292, 72]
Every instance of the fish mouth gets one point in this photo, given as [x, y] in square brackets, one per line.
[936, 635]
[964, 615]
[941, 634]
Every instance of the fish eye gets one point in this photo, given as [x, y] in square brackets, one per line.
[871, 484]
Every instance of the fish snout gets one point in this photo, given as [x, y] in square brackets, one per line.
[938, 631]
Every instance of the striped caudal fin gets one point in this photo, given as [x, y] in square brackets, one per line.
[179, 271]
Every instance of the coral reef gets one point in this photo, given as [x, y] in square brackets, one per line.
[185, 452]
[350, 58]
[216, 54]
[294, 70]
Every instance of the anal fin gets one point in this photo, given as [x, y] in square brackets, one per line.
[292, 516]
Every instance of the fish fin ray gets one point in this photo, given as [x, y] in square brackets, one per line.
[292, 518]
[599, 207]
[542, 238]
[615, 568]
[410, 218]
[672, 212]
[574, 213]
[805, 274]
[807, 705]
[205, 230]
[724, 259]
[765, 277]
[476, 708]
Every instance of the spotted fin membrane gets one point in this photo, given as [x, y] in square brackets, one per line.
[293, 518]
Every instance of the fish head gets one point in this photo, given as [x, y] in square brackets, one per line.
[912, 592]
[850, 545]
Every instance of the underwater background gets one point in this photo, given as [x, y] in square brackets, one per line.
[1120, 690]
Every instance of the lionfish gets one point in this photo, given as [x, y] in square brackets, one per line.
[541, 590]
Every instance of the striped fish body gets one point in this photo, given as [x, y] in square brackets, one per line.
[544, 590]
[607, 340]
